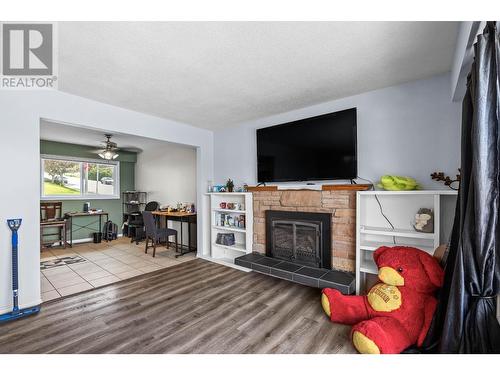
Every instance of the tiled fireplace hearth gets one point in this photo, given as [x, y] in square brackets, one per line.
[341, 205]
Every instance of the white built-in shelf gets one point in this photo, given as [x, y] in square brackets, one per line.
[400, 207]
[368, 266]
[232, 229]
[397, 232]
[229, 211]
[227, 193]
[235, 247]
[410, 192]
[374, 245]
[243, 237]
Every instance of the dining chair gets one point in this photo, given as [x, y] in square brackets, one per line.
[155, 234]
[51, 217]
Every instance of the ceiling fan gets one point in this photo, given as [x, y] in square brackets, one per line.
[109, 152]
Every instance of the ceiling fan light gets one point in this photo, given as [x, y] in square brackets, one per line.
[108, 153]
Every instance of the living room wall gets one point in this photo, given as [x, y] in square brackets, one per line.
[20, 115]
[168, 173]
[397, 126]
[127, 161]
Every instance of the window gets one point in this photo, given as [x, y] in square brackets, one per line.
[72, 178]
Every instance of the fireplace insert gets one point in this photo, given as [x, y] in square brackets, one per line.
[299, 237]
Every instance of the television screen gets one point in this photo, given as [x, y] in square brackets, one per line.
[316, 148]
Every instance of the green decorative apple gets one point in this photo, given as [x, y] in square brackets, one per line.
[396, 183]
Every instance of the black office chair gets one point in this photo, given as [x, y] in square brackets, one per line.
[136, 222]
[155, 234]
[152, 206]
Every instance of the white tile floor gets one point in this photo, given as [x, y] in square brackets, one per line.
[105, 263]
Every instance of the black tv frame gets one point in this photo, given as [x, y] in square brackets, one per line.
[355, 140]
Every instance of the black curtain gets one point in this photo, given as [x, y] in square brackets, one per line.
[465, 320]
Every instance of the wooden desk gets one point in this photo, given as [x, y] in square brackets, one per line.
[182, 217]
[71, 215]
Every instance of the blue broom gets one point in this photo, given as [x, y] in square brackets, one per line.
[16, 313]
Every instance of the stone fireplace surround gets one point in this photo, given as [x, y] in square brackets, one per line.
[340, 203]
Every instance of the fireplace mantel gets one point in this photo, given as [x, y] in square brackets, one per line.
[326, 187]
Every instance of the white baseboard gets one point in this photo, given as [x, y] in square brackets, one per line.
[224, 263]
[83, 240]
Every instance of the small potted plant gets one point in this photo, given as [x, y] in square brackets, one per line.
[230, 185]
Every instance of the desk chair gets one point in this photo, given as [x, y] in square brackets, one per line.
[135, 222]
[51, 217]
[155, 234]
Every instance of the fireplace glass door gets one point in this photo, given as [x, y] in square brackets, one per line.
[296, 241]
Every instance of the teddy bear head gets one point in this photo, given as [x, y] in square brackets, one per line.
[409, 267]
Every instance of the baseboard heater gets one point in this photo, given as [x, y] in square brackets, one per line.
[314, 277]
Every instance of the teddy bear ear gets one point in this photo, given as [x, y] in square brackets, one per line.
[432, 268]
[378, 253]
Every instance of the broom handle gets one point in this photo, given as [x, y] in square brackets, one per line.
[15, 278]
[14, 225]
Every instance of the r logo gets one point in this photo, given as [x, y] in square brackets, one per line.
[27, 49]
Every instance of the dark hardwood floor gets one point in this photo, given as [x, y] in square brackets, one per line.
[195, 307]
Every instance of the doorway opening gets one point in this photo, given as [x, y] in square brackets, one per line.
[92, 226]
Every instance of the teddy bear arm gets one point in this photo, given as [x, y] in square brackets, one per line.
[430, 308]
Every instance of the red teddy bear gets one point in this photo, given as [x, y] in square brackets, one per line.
[396, 313]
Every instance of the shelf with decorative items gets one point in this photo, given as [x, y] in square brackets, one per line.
[231, 226]
[415, 218]
[231, 211]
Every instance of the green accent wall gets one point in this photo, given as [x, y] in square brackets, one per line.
[127, 161]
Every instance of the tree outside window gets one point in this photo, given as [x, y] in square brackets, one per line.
[61, 177]
[79, 178]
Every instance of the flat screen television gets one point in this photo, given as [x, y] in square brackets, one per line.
[316, 148]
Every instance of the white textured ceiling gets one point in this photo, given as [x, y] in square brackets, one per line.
[218, 74]
[58, 132]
